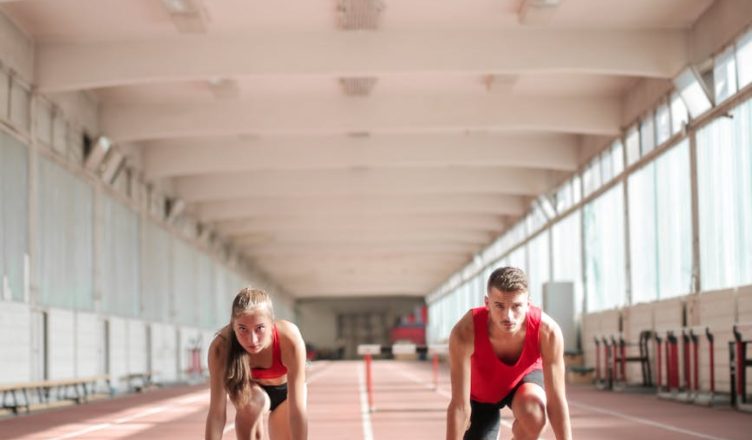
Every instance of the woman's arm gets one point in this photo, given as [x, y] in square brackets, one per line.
[294, 358]
[215, 419]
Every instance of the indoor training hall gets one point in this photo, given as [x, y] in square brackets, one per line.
[360, 169]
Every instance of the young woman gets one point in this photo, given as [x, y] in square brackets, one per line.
[259, 363]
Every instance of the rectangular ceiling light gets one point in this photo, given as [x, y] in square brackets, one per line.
[359, 14]
[188, 16]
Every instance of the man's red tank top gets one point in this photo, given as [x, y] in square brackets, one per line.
[490, 378]
[277, 369]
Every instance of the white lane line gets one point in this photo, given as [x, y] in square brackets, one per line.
[364, 412]
[440, 391]
[100, 426]
[644, 421]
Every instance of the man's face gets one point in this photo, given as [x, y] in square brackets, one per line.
[253, 330]
[507, 309]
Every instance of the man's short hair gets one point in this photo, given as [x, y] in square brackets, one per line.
[507, 279]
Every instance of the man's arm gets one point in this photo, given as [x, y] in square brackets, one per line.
[294, 358]
[460, 350]
[215, 419]
[552, 354]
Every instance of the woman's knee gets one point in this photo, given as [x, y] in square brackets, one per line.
[258, 403]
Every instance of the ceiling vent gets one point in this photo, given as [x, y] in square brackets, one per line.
[355, 15]
[357, 86]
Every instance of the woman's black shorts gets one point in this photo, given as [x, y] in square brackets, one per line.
[277, 394]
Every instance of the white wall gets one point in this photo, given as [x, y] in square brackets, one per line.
[15, 340]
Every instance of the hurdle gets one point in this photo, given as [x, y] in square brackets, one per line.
[368, 351]
[620, 382]
[667, 343]
[605, 362]
[710, 397]
[739, 363]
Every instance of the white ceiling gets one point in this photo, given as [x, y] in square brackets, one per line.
[475, 108]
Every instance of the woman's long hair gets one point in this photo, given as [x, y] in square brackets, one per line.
[237, 369]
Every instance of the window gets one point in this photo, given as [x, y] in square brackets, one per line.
[692, 91]
[617, 153]
[607, 166]
[20, 103]
[539, 270]
[679, 114]
[660, 223]
[724, 75]
[724, 180]
[120, 259]
[647, 135]
[14, 218]
[604, 250]
[633, 145]
[662, 123]
[576, 189]
[744, 59]
[567, 253]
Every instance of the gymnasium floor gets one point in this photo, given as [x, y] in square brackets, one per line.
[407, 407]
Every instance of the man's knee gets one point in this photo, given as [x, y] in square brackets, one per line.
[530, 414]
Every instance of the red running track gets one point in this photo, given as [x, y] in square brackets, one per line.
[406, 406]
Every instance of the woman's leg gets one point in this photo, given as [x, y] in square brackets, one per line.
[251, 419]
[279, 422]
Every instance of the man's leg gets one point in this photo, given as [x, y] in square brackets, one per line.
[484, 421]
[529, 408]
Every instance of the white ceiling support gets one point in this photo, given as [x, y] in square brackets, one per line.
[405, 181]
[647, 53]
[322, 221]
[338, 115]
[347, 250]
[363, 205]
[172, 158]
[327, 238]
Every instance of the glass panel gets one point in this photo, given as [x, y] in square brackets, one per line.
[576, 189]
[539, 270]
[156, 280]
[662, 124]
[20, 102]
[647, 135]
[14, 219]
[744, 59]
[642, 239]
[567, 253]
[59, 133]
[4, 94]
[65, 225]
[119, 259]
[724, 180]
[607, 166]
[693, 93]
[564, 197]
[617, 153]
[43, 127]
[604, 250]
[633, 145]
[724, 75]
[679, 114]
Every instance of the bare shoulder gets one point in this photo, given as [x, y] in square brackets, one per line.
[218, 346]
[288, 331]
[550, 332]
[463, 333]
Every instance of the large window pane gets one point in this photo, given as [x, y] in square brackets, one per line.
[155, 270]
[724, 75]
[567, 253]
[539, 269]
[14, 193]
[724, 169]
[744, 59]
[633, 146]
[120, 259]
[604, 250]
[65, 225]
[660, 227]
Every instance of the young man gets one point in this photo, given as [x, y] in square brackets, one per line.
[507, 353]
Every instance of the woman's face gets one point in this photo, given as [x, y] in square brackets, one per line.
[253, 330]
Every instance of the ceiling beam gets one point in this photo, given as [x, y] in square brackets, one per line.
[315, 250]
[365, 238]
[79, 66]
[497, 204]
[403, 181]
[376, 114]
[196, 156]
[325, 221]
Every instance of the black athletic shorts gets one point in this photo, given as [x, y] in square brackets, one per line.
[485, 417]
[277, 394]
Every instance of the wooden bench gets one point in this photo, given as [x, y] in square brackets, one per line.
[78, 390]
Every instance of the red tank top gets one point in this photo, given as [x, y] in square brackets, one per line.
[277, 369]
[490, 378]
